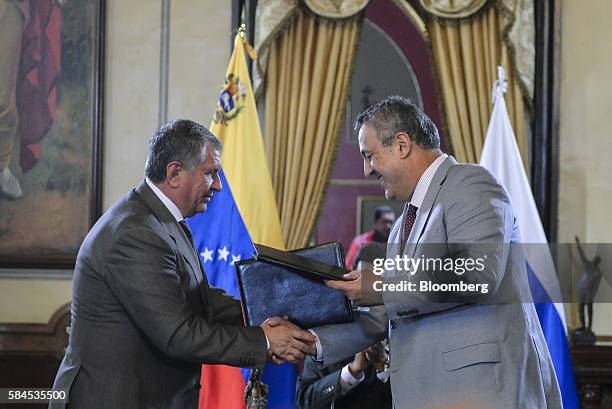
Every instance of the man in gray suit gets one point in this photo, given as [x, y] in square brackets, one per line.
[476, 348]
[144, 318]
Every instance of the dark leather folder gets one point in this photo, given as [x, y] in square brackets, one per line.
[269, 289]
[293, 260]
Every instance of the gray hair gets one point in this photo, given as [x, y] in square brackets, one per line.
[181, 141]
[398, 114]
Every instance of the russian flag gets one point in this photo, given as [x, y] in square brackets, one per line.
[500, 155]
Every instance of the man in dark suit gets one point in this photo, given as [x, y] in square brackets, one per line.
[359, 382]
[144, 318]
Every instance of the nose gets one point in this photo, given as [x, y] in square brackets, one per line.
[367, 169]
[217, 185]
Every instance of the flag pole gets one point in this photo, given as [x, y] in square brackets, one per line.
[255, 392]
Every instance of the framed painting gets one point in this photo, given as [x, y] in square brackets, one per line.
[366, 207]
[51, 107]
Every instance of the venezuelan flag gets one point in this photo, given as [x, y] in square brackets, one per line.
[235, 218]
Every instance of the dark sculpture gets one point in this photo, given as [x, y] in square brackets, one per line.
[587, 286]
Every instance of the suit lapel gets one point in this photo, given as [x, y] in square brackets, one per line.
[393, 242]
[171, 226]
[428, 201]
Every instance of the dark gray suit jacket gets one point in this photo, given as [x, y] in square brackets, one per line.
[319, 388]
[144, 318]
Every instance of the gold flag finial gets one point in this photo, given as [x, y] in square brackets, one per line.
[249, 48]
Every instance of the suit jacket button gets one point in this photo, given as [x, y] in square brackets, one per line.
[392, 324]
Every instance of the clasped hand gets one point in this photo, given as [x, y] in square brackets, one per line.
[288, 342]
[375, 355]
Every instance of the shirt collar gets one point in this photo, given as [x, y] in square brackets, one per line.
[425, 180]
[166, 201]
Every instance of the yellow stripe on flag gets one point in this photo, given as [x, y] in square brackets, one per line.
[236, 124]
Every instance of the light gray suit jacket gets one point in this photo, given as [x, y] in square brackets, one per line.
[455, 349]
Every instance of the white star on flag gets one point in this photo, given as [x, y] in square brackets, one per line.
[234, 259]
[223, 253]
[207, 254]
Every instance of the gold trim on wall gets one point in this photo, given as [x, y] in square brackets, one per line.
[603, 338]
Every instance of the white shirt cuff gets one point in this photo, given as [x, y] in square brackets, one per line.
[319, 357]
[383, 376]
[348, 381]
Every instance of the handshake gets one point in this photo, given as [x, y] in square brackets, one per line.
[288, 342]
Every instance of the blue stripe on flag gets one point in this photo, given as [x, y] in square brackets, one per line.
[221, 236]
[284, 378]
[552, 327]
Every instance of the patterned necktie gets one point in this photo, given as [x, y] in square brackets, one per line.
[408, 222]
[187, 231]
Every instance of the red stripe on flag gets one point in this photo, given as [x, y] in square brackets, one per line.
[222, 387]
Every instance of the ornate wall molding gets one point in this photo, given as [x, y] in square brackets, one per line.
[48, 339]
[452, 8]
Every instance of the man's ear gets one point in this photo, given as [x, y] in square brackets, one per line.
[403, 142]
[173, 171]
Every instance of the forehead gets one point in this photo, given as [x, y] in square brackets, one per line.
[368, 139]
[213, 159]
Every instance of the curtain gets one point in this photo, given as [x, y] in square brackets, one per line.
[466, 55]
[308, 72]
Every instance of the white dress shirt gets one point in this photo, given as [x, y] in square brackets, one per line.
[425, 181]
[166, 201]
[348, 381]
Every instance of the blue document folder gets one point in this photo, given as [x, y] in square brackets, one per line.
[268, 289]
